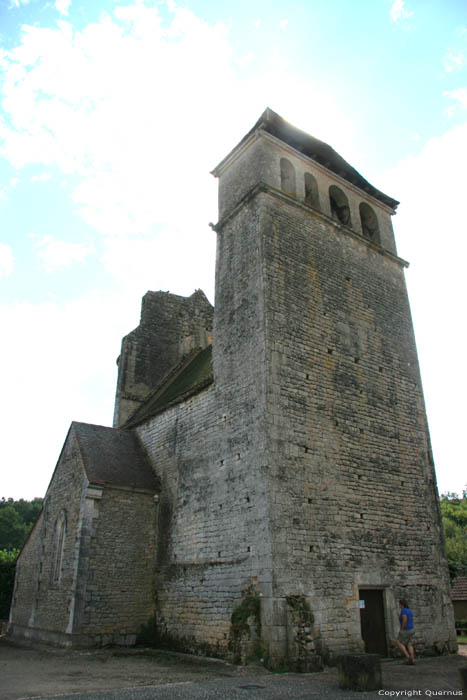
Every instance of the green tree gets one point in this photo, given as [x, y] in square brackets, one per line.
[7, 580]
[13, 530]
[16, 520]
[454, 515]
[27, 510]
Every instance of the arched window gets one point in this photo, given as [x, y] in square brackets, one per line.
[59, 547]
[287, 177]
[369, 221]
[340, 209]
[311, 191]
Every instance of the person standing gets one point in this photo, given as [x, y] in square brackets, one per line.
[406, 632]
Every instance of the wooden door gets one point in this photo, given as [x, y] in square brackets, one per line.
[372, 621]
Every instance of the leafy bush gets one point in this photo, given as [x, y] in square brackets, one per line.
[454, 515]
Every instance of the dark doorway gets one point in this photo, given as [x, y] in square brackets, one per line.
[372, 621]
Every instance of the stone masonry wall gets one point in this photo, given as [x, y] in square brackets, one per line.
[44, 605]
[210, 454]
[208, 526]
[352, 483]
[27, 571]
[117, 566]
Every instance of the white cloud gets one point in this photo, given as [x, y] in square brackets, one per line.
[459, 95]
[116, 105]
[18, 3]
[283, 24]
[245, 60]
[60, 254]
[454, 61]
[6, 260]
[64, 363]
[43, 177]
[176, 261]
[95, 104]
[62, 6]
[399, 12]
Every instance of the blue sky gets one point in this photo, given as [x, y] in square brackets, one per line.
[113, 114]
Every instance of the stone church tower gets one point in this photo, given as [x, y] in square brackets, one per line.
[314, 343]
[279, 483]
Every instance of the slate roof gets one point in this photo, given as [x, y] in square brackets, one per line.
[459, 588]
[190, 376]
[274, 124]
[114, 457]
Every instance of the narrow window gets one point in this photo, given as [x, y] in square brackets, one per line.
[59, 547]
[287, 177]
[340, 210]
[369, 221]
[311, 191]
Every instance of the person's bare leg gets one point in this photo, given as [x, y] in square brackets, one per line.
[411, 652]
[402, 648]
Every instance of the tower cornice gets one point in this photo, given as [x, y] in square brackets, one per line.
[263, 187]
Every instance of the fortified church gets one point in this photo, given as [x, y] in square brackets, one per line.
[267, 488]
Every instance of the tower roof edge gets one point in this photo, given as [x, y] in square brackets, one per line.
[319, 151]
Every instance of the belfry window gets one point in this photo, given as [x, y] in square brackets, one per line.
[369, 221]
[59, 547]
[311, 191]
[287, 177]
[340, 210]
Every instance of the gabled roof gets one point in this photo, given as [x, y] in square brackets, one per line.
[114, 457]
[190, 376]
[459, 588]
[272, 123]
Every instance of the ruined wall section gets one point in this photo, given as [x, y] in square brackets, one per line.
[352, 479]
[171, 327]
[43, 604]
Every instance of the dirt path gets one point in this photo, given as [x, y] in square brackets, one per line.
[28, 671]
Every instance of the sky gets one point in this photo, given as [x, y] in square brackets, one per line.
[113, 114]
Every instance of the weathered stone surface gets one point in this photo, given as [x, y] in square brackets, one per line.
[171, 326]
[101, 592]
[302, 473]
[360, 672]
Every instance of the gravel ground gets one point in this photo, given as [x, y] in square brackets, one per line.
[28, 671]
